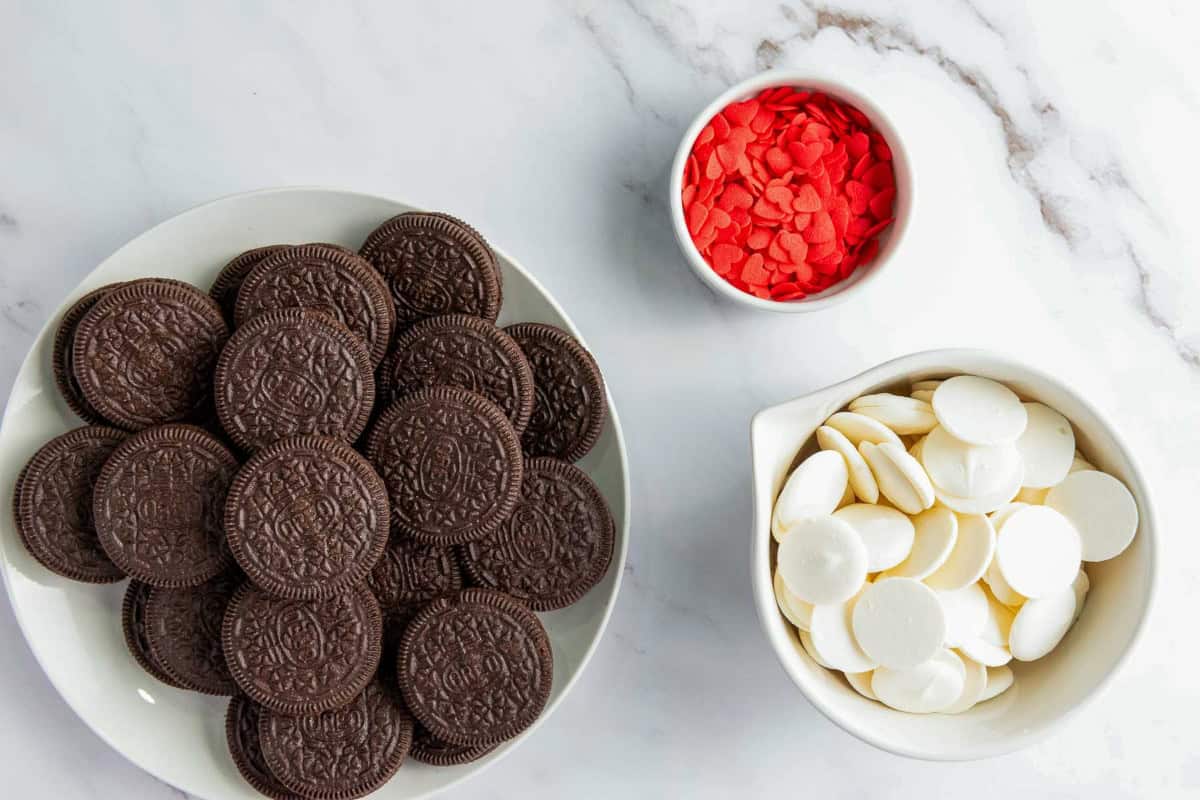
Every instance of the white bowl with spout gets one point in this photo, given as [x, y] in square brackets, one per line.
[1047, 691]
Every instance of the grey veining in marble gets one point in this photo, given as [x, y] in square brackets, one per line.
[1052, 143]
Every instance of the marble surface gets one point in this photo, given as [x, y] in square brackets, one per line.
[1053, 143]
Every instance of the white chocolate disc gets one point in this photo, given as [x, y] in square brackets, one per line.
[985, 504]
[1004, 512]
[899, 622]
[901, 478]
[967, 470]
[1038, 552]
[887, 533]
[978, 410]
[934, 533]
[806, 643]
[862, 482]
[814, 488]
[974, 685]
[904, 415]
[859, 428]
[1047, 446]
[797, 612]
[924, 395]
[822, 560]
[834, 641]
[999, 679]
[973, 550]
[966, 612]
[1000, 588]
[1041, 624]
[926, 688]
[1100, 508]
[861, 683]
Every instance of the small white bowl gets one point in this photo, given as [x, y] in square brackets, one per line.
[889, 240]
[1046, 691]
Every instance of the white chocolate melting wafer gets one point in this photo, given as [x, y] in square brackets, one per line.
[899, 622]
[814, 488]
[1101, 509]
[822, 560]
[979, 411]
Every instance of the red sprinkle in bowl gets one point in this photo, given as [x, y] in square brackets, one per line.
[889, 239]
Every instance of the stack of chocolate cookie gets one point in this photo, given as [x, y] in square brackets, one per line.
[340, 492]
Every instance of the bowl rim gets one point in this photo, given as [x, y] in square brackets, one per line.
[906, 189]
[620, 554]
[892, 369]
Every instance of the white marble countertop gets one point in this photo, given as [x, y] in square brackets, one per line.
[1055, 147]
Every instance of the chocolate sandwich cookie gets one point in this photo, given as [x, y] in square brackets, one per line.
[52, 504]
[557, 544]
[241, 735]
[341, 283]
[340, 754]
[428, 749]
[62, 355]
[483, 243]
[144, 353]
[293, 371]
[306, 517]
[463, 351]
[434, 265]
[569, 405]
[225, 288]
[158, 504]
[133, 626]
[183, 629]
[475, 668]
[451, 462]
[410, 575]
[302, 656]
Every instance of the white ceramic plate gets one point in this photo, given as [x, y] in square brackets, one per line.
[74, 629]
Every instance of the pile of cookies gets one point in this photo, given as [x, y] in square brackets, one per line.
[340, 492]
[939, 535]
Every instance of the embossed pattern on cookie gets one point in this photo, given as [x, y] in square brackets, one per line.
[463, 351]
[144, 353]
[451, 462]
[52, 504]
[289, 372]
[411, 574]
[158, 505]
[241, 735]
[302, 656]
[307, 517]
[557, 544]
[433, 266]
[183, 629]
[340, 754]
[319, 276]
[477, 644]
[225, 288]
[569, 407]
